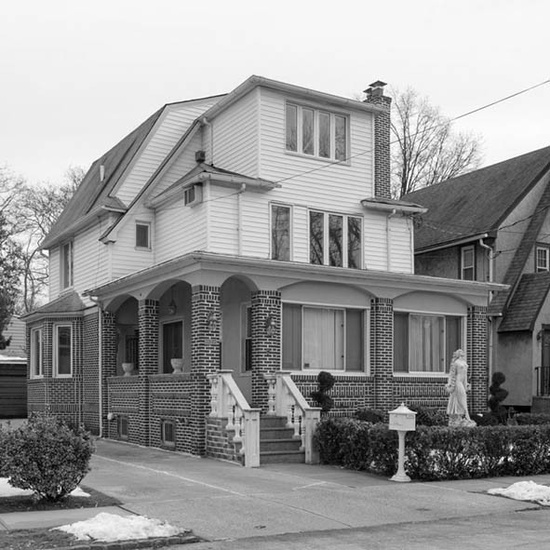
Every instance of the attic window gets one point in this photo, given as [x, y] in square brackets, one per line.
[143, 232]
[192, 195]
[542, 259]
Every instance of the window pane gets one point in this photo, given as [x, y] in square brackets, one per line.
[67, 260]
[64, 350]
[280, 233]
[340, 138]
[468, 266]
[355, 336]
[427, 343]
[323, 338]
[36, 367]
[542, 259]
[453, 340]
[292, 337]
[307, 132]
[172, 344]
[354, 242]
[401, 342]
[324, 135]
[291, 128]
[335, 229]
[316, 237]
[142, 235]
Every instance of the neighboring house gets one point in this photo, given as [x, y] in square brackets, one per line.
[493, 225]
[251, 238]
[13, 372]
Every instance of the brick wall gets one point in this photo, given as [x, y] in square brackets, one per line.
[123, 395]
[477, 358]
[220, 441]
[421, 391]
[90, 372]
[205, 354]
[382, 352]
[266, 348]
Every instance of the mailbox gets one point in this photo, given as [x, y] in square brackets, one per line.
[403, 419]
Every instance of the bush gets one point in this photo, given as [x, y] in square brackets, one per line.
[532, 418]
[374, 416]
[429, 417]
[436, 453]
[46, 456]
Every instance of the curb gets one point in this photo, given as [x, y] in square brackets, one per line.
[158, 542]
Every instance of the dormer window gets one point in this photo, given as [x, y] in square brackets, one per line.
[67, 265]
[317, 133]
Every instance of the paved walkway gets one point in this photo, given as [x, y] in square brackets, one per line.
[223, 502]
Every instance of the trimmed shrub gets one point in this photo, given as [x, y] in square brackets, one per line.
[47, 456]
[429, 417]
[524, 419]
[374, 416]
[436, 453]
[325, 381]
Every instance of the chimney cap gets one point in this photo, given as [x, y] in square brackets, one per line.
[378, 84]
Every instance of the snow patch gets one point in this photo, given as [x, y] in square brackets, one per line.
[525, 490]
[111, 527]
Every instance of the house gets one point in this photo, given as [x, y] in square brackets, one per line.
[225, 252]
[493, 225]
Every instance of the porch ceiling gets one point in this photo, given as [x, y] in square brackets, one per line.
[213, 269]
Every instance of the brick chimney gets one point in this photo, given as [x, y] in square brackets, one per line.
[382, 160]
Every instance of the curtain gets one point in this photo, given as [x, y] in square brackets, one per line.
[323, 338]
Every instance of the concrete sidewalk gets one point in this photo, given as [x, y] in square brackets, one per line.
[222, 501]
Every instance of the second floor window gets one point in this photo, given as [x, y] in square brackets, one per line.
[67, 265]
[467, 263]
[542, 259]
[280, 232]
[335, 240]
[317, 133]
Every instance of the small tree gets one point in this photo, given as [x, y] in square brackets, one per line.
[46, 456]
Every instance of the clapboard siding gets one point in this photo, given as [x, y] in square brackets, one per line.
[125, 257]
[401, 252]
[315, 181]
[375, 241]
[54, 273]
[223, 217]
[175, 120]
[236, 136]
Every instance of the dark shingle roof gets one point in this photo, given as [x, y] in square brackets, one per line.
[477, 202]
[92, 191]
[526, 302]
[67, 303]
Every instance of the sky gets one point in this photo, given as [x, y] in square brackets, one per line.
[78, 75]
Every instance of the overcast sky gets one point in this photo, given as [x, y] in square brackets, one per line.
[78, 75]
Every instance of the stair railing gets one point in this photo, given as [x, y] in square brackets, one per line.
[285, 399]
[227, 401]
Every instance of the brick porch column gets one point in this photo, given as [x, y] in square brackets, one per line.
[382, 352]
[205, 358]
[477, 358]
[266, 342]
[108, 360]
[148, 322]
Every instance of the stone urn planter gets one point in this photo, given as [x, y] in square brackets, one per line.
[128, 368]
[177, 365]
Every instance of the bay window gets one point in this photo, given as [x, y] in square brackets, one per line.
[316, 133]
[36, 353]
[335, 239]
[424, 343]
[323, 338]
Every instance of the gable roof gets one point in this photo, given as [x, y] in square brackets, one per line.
[526, 302]
[475, 203]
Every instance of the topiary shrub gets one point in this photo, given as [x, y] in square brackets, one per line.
[47, 457]
[325, 381]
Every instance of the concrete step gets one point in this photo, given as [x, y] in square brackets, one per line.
[280, 445]
[272, 421]
[275, 433]
[282, 457]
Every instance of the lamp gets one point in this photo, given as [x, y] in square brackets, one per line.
[212, 320]
[269, 326]
[172, 307]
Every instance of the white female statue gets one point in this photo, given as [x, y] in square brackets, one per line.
[457, 386]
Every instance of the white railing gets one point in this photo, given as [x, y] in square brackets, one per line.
[227, 401]
[285, 399]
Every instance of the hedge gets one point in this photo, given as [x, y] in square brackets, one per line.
[436, 453]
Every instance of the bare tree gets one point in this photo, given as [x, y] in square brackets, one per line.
[425, 148]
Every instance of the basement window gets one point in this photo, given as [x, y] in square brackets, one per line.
[123, 427]
[168, 433]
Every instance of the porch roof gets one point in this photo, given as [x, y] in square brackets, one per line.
[213, 269]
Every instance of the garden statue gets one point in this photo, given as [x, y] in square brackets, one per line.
[457, 386]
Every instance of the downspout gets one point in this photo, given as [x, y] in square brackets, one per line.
[388, 236]
[99, 360]
[240, 220]
[490, 343]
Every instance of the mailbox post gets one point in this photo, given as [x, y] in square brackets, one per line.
[402, 420]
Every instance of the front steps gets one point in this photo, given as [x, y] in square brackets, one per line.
[277, 442]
